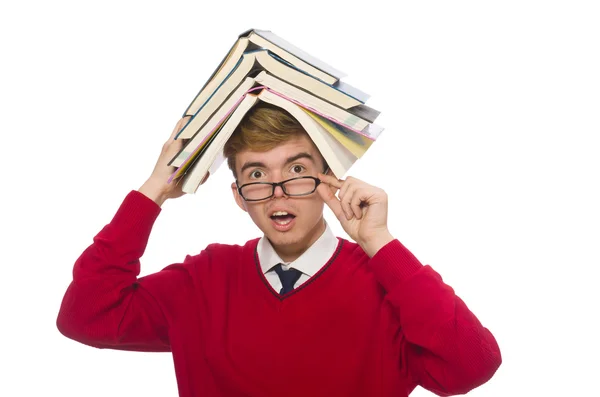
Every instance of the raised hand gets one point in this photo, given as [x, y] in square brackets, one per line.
[157, 186]
[361, 209]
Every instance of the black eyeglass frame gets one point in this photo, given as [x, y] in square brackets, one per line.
[281, 184]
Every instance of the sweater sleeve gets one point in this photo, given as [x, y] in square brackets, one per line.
[107, 305]
[448, 350]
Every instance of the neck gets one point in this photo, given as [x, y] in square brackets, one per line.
[291, 252]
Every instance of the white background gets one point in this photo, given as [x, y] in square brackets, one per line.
[490, 159]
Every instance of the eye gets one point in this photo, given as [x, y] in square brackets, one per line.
[256, 174]
[297, 168]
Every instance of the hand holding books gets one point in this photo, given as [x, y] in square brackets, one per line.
[156, 186]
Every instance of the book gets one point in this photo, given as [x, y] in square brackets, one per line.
[254, 39]
[261, 67]
[337, 156]
[355, 143]
[250, 64]
[212, 123]
[203, 163]
[358, 117]
[326, 110]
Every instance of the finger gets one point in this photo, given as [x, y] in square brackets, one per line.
[333, 189]
[345, 199]
[335, 184]
[205, 178]
[348, 184]
[359, 200]
[176, 130]
[353, 183]
[332, 201]
[182, 121]
[330, 180]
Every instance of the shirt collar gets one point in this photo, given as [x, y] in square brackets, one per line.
[309, 263]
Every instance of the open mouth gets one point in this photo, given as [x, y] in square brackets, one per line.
[282, 217]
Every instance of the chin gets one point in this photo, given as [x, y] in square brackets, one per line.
[287, 238]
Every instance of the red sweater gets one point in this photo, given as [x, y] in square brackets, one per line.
[359, 327]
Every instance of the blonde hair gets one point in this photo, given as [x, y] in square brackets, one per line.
[263, 128]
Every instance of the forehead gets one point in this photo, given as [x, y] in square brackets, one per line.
[279, 154]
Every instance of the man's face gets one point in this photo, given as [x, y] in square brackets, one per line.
[304, 223]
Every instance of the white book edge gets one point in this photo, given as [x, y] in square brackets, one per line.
[202, 164]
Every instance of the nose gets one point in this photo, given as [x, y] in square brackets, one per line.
[278, 192]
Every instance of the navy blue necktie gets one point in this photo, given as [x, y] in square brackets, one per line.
[288, 278]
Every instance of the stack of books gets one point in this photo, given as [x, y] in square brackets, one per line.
[261, 66]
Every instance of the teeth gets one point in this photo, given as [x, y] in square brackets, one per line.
[283, 223]
[279, 213]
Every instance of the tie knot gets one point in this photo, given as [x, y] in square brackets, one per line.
[288, 277]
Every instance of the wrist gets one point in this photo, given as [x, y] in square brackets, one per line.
[375, 243]
[154, 192]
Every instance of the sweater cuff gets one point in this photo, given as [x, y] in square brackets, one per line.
[135, 217]
[393, 263]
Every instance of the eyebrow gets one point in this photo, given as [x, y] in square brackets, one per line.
[302, 155]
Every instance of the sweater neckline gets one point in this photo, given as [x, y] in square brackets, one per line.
[300, 289]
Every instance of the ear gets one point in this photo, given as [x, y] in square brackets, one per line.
[238, 199]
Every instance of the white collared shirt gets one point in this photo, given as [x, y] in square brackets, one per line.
[309, 263]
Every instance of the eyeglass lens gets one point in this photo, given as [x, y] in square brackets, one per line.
[295, 187]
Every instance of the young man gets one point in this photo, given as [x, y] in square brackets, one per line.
[297, 312]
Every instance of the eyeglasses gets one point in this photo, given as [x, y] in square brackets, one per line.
[257, 191]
